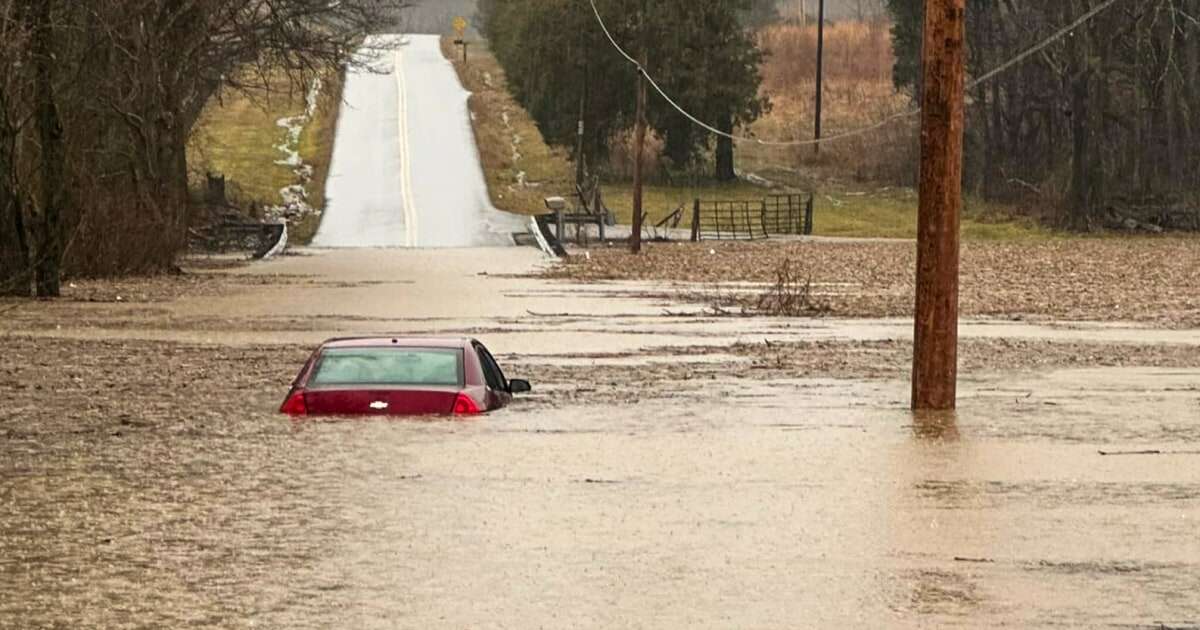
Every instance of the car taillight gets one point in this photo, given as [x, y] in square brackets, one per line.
[295, 405]
[464, 405]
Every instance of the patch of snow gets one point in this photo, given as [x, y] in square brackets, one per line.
[295, 196]
[758, 180]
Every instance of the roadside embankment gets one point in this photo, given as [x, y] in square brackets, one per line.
[520, 168]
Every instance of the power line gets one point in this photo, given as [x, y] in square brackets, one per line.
[1041, 46]
[1085, 18]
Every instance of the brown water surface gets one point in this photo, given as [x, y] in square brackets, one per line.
[753, 504]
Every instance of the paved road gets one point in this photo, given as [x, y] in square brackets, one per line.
[405, 169]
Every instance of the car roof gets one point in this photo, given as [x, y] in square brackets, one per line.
[399, 342]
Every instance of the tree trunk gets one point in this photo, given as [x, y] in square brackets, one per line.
[52, 164]
[725, 171]
[994, 118]
[16, 277]
[1191, 102]
[1079, 85]
[679, 141]
[176, 191]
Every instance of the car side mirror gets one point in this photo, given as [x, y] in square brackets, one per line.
[519, 386]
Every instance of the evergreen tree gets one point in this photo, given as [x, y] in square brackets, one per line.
[699, 51]
[907, 18]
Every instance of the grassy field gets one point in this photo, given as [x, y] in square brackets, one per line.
[238, 136]
[521, 169]
[841, 212]
[858, 93]
[842, 206]
[893, 214]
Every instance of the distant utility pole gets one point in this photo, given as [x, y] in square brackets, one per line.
[935, 352]
[820, 73]
[580, 166]
[639, 142]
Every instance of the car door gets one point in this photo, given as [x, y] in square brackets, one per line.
[498, 394]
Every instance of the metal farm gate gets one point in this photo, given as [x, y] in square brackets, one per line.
[773, 215]
[727, 220]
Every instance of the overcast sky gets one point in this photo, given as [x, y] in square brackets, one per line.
[435, 16]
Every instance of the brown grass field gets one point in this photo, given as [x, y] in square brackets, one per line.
[858, 93]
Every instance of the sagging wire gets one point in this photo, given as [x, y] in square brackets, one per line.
[1084, 19]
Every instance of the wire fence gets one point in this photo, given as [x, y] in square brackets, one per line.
[773, 215]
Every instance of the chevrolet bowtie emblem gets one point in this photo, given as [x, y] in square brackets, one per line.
[380, 405]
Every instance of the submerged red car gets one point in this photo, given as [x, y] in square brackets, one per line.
[398, 376]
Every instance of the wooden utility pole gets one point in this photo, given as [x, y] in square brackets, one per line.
[935, 356]
[639, 143]
[580, 167]
[580, 164]
[820, 73]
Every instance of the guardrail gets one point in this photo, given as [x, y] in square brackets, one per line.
[261, 239]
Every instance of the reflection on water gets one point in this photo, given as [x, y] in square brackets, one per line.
[936, 425]
[744, 514]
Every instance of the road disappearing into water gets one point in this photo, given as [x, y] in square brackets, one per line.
[405, 170]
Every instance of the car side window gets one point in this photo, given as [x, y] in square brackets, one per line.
[491, 371]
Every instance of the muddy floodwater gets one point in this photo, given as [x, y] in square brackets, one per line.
[1057, 496]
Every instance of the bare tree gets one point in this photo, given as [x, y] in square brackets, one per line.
[100, 97]
[1104, 121]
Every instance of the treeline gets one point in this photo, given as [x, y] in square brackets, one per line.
[562, 69]
[1108, 116]
[98, 99]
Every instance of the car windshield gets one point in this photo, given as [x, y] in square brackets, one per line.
[388, 366]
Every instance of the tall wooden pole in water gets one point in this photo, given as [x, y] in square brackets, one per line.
[639, 144]
[935, 356]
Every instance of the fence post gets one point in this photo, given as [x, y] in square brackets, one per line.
[696, 221]
[808, 216]
[215, 193]
[558, 232]
[763, 217]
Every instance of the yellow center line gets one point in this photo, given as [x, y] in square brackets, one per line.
[410, 208]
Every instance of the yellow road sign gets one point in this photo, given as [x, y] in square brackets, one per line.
[460, 25]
